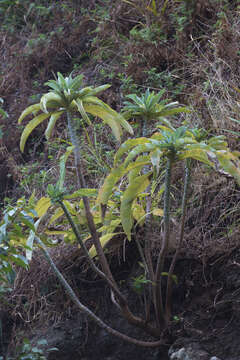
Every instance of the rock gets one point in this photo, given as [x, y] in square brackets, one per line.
[188, 352]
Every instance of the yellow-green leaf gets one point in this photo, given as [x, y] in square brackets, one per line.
[227, 160]
[107, 116]
[29, 110]
[82, 192]
[30, 127]
[197, 154]
[106, 190]
[57, 214]
[52, 121]
[158, 212]
[132, 191]
[138, 213]
[70, 207]
[42, 206]
[104, 241]
[51, 100]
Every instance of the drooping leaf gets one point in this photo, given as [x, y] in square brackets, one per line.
[197, 154]
[104, 241]
[110, 181]
[229, 163]
[109, 117]
[42, 206]
[52, 121]
[158, 212]
[51, 100]
[127, 145]
[130, 194]
[57, 214]
[29, 110]
[30, 127]
[82, 192]
[82, 111]
[62, 167]
[138, 213]
[30, 241]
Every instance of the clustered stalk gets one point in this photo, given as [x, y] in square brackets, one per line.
[87, 311]
[134, 320]
[187, 179]
[81, 184]
[158, 298]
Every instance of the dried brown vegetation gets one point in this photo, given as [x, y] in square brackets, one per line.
[201, 53]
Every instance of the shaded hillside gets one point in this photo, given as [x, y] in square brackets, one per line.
[192, 50]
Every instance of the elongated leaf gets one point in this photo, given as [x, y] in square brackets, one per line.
[29, 110]
[52, 121]
[109, 228]
[170, 112]
[155, 158]
[110, 181]
[57, 214]
[107, 116]
[100, 88]
[132, 191]
[62, 166]
[30, 127]
[145, 148]
[70, 207]
[104, 241]
[42, 206]
[30, 241]
[138, 213]
[77, 83]
[197, 154]
[62, 81]
[227, 161]
[54, 85]
[51, 100]
[82, 111]
[19, 260]
[116, 174]
[127, 145]
[82, 192]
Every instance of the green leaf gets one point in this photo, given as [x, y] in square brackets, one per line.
[227, 161]
[19, 260]
[57, 214]
[30, 127]
[82, 111]
[29, 110]
[52, 121]
[62, 166]
[107, 116]
[100, 88]
[82, 192]
[51, 100]
[30, 241]
[197, 154]
[107, 188]
[130, 194]
[104, 241]
[127, 145]
[42, 206]
[70, 207]
[138, 213]
[27, 222]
